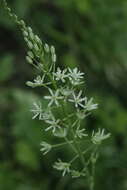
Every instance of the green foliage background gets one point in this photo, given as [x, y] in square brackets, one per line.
[90, 34]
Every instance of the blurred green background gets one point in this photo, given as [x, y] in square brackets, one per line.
[90, 34]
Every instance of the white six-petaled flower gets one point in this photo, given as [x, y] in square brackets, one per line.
[76, 174]
[53, 98]
[54, 124]
[60, 75]
[80, 133]
[37, 111]
[39, 80]
[75, 76]
[89, 105]
[45, 147]
[77, 99]
[66, 91]
[62, 166]
[99, 136]
[47, 115]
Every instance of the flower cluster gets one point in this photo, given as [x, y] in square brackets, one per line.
[67, 104]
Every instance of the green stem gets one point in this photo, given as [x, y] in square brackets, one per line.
[84, 152]
[68, 142]
[78, 148]
[61, 144]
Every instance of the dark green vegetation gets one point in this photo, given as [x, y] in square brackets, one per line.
[90, 34]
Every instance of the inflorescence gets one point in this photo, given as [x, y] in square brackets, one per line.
[64, 95]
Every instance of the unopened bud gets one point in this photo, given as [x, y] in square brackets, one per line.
[52, 50]
[36, 47]
[30, 54]
[25, 33]
[22, 23]
[30, 45]
[54, 58]
[46, 48]
[31, 36]
[37, 39]
[29, 60]
[29, 29]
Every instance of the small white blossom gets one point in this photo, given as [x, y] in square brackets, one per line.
[77, 99]
[61, 75]
[61, 132]
[37, 111]
[47, 115]
[54, 124]
[62, 166]
[53, 98]
[98, 137]
[80, 133]
[45, 147]
[75, 76]
[75, 174]
[89, 105]
[81, 114]
[39, 80]
[66, 92]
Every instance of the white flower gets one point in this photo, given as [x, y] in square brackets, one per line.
[77, 99]
[53, 98]
[45, 147]
[66, 92]
[80, 133]
[39, 79]
[61, 75]
[37, 111]
[99, 136]
[61, 132]
[81, 114]
[75, 173]
[89, 104]
[54, 124]
[47, 115]
[62, 166]
[75, 76]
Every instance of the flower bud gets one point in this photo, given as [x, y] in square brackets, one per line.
[25, 33]
[29, 29]
[46, 48]
[31, 35]
[52, 50]
[37, 39]
[29, 60]
[22, 23]
[30, 54]
[30, 45]
[54, 58]
[36, 47]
